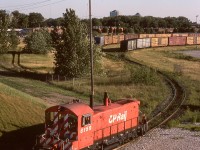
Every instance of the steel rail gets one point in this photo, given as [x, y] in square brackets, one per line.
[177, 99]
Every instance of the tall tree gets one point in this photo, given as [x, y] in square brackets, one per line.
[35, 19]
[23, 21]
[4, 39]
[13, 40]
[15, 19]
[38, 43]
[72, 57]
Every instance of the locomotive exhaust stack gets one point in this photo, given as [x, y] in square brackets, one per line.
[106, 99]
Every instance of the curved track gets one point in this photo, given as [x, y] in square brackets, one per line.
[169, 109]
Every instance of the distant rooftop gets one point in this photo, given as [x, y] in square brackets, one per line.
[138, 14]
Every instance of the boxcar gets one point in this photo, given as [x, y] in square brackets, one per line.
[127, 45]
[180, 34]
[163, 35]
[191, 40]
[194, 34]
[177, 41]
[161, 41]
[108, 39]
[198, 40]
[147, 35]
[121, 37]
[144, 43]
[115, 39]
[131, 36]
[99, 40]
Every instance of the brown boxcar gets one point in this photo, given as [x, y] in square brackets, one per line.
[198, 40]
[180, 34]
[121, 37]
[108, 39]
[147, 35]
[194, 34]
[131, 36]
[115, 39]
[177, 41]
[161, 41]
[191, 40]
[163, 35]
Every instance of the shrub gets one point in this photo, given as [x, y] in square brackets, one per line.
[38, 43]
[144, 75]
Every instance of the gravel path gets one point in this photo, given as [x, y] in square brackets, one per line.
[167, 139]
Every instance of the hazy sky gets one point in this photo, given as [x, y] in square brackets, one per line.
[102, 8]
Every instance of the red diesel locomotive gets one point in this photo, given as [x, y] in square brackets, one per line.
[76, 126]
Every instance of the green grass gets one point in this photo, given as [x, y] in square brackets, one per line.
[18, 109]
[29, 62]
[176, 55]
[39, 89]
[21, 118]
[165, 59]
[121, 85]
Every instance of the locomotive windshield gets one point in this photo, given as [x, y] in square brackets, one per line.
[49, 117]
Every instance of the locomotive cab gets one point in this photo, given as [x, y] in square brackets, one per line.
[65, 126]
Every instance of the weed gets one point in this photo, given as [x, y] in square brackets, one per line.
[173, 123]
[144, 75]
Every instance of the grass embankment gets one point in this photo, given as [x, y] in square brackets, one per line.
[184, 68]
[21, 118]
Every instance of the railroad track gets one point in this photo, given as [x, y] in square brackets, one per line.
[168, 110]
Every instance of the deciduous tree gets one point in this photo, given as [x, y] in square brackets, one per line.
[72, 57]
[38, 43]
[4, 38]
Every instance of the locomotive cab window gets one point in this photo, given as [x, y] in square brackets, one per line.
[49, 118]
[86, 119]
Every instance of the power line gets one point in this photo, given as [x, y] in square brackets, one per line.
[33, 5]
[42, 5]
[24, 5]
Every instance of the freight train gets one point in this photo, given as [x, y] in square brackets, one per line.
[137, 41]
[76, 125]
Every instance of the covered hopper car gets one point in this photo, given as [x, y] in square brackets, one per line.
[77, 126]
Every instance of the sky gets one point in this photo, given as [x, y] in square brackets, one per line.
[102, 8]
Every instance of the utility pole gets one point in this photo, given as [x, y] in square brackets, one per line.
[196, 29]
[91, 59]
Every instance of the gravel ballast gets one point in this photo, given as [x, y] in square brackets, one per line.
[167, 139]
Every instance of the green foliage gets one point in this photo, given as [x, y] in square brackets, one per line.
[13, 40]
[72, 47]
[173, 123]
[144, 75]
[35, 19]
[4, 39]
[191, 116]
[38, 43]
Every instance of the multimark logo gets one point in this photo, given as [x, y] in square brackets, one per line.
[118, 117]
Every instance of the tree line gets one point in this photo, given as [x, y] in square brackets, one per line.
[71, 46]
[134, 24]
